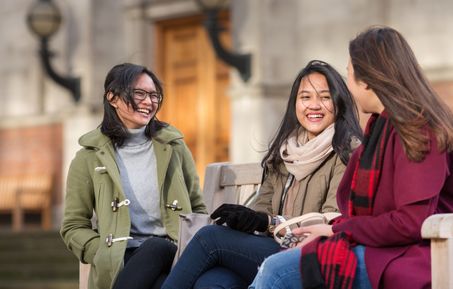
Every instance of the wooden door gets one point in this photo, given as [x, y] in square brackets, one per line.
[195, 84]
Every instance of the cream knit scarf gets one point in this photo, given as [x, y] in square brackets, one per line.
[302, 156]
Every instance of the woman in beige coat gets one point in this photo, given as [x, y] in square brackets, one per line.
[137, 175]
[302, 169]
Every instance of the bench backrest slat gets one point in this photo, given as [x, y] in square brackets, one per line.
[231, 183]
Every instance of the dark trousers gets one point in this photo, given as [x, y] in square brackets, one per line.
[147, 266]
[221, 258]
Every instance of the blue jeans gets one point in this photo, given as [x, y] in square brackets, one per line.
[219, 257]
[281, 271]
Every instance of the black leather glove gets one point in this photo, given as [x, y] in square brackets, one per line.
[240, 218]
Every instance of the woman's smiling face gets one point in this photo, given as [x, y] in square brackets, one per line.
[314, 104]
[146, 108]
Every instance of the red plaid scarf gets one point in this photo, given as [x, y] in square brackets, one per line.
[330, 262]
[368, 169]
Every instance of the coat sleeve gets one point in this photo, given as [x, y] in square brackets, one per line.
[192, 180]
[416, 187]
[330, 204]
[76, 229]
[263, 201]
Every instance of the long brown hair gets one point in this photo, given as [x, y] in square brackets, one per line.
[383, 59]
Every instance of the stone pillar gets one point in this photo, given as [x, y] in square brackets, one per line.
[75, 123]
[282, 38]
[258, 105]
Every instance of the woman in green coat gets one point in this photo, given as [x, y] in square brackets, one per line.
[135, 174]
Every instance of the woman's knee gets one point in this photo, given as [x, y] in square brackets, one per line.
[210, 230]
[279, 269]
[219, 278]
[155, 246]
[270, 265]
[213, 234]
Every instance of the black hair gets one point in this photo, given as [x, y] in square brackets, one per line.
[346, 116]
[119, 81]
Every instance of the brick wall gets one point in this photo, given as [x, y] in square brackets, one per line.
[445, 90]
[33, 149]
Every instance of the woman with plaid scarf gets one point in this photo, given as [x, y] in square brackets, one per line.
[398, 177]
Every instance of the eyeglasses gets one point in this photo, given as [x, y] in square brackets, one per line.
[140, 95]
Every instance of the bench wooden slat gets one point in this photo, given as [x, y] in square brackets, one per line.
[240, 174]
[246, 193]
[8, 189]
[84, 272]
[30, 192]
[224, 183]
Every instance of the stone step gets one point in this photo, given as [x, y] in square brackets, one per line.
[37, 272]
[39, 285]
[35, 257]
[30, 241]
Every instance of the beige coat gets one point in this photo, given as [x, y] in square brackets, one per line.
[317, 192]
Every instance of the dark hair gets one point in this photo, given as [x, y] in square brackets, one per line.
[119, 81]
[382, 59]
[346, 116]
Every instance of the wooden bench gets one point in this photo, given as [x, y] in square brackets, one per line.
[26, 193]
[231, 183]
[239, 183]
[224, 183]
[439, 228]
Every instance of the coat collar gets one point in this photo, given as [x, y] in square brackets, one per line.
[105, 151]
[95, 139]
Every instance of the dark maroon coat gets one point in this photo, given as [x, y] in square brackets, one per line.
[408, 192]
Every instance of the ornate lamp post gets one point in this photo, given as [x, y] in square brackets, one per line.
[241, 62]
[44, 19]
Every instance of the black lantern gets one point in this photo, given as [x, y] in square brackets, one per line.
[241, 62]
[44, 19]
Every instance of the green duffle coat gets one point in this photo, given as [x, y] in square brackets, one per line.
[93, 186]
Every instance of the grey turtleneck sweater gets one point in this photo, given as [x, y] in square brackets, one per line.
[137, 165]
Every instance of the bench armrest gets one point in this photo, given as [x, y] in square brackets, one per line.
[439, 228]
